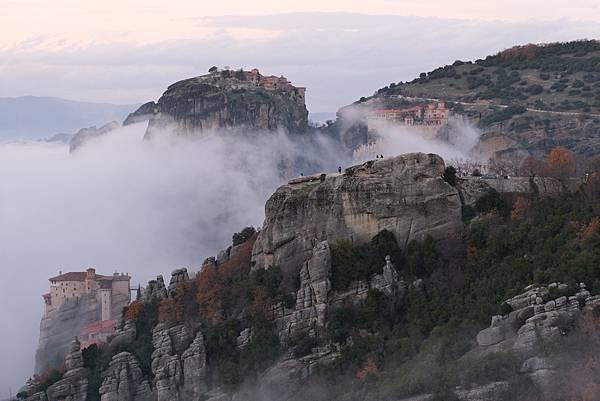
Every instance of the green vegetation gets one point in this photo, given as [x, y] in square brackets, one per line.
[418, 345]
[556, 76]
[351, 263]
[502, 115]
[243, 236]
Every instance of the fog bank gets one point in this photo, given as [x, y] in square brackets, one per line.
[120, 203]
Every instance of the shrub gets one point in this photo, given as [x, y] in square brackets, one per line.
[305, 346]
[243, 236]
[450, 175]
[492, 200]
[350, 263]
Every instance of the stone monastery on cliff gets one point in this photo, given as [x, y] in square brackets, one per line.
[74, 284]
[79, 304]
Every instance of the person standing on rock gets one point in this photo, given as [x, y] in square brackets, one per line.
[340, 169]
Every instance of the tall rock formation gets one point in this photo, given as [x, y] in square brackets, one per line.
[233, 101]
[76, 300]
[73, 385]
[405, 195]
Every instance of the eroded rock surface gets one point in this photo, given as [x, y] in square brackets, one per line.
[74, 383]
[405, 195]
[123, 380]
[178, 363]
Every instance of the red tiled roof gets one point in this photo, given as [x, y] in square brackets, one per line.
[80, 276]
[103, 326]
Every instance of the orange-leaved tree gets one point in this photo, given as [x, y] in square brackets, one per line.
[561, 163]
[519, 208]
[210, 288]
[369, 370]
[133, 310]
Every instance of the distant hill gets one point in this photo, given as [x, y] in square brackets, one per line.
[34, 117]
[528, 98]
[556, 76]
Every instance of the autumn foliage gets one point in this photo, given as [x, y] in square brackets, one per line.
[561, 159]
[369, 370]
[592, 227]
[133, 310]
[210, 289]
[525, 52]
[519, 208]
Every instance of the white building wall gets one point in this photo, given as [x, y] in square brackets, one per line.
[106, 303]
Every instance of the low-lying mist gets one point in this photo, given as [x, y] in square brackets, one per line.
[457, 140]
[120, 203]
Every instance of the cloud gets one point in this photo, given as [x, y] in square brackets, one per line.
[120, 203]
[338, 56]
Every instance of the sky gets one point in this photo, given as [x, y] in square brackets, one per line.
[129, 52]
[148, 210]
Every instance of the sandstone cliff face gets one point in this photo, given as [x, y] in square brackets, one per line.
[212, 102]
[405, 195]
[60, 326]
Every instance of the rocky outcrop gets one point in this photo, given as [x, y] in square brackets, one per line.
[123, 380]
[177, 276]
[405, 195]
[223, 101]
[87, 135]
[315, 297]
[59, 326]
[178, 363]
[310, 311]
[540, 314]
[144, 113]
[155, 289]
[125, 334]
[74, 383]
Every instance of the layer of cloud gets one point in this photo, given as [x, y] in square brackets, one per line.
[120, 203]
[339, 57]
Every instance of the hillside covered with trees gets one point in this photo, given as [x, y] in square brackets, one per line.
[391, 347]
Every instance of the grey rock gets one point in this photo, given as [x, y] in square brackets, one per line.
[74, 383]
[123, 380]
[177, 276]
[155, 289]
[87, 135]
[125, 334]
[144, 113]
[178, 362]
[388, 281]
[489, 392]
[244, 338]
[405, 195]
[194, 369]
[214, 102]
[310, 312]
